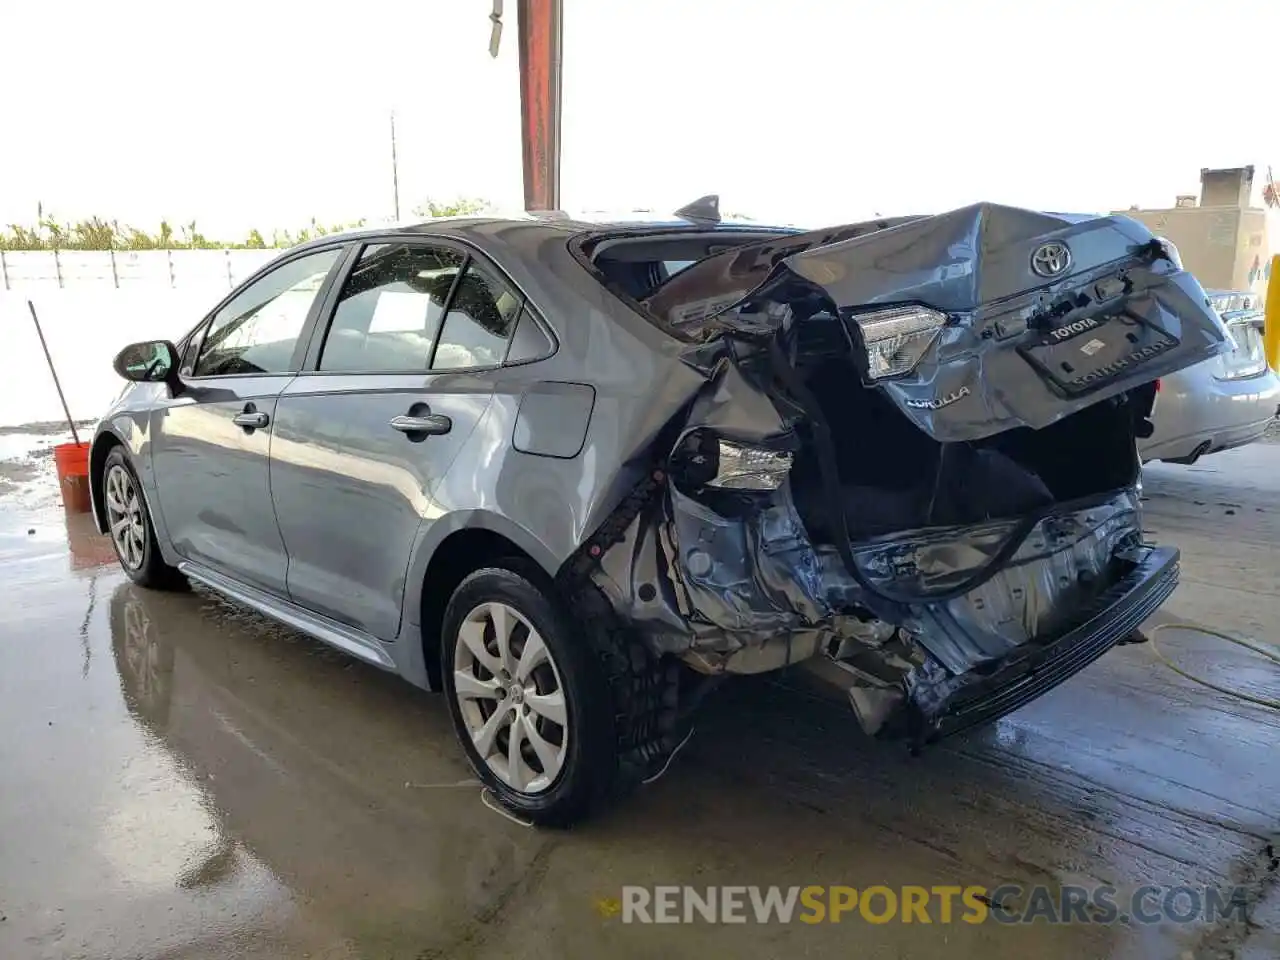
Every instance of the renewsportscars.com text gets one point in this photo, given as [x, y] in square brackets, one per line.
[1009, 903]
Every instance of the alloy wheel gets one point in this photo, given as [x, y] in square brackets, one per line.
[511, 697]
[125, 517]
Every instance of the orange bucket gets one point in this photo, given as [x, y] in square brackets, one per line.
[72, 460]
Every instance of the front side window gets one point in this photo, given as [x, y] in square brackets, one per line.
[481, 316]
[257, 331]
[390, 309]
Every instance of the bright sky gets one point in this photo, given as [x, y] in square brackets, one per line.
[266, 113]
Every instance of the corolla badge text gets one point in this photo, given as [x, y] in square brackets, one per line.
[937, 403]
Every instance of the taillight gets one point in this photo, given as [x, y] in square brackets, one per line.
[897, 337]
[742, 467]
[704, 460]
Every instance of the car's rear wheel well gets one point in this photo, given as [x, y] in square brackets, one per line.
[97, 467]
[459, 554]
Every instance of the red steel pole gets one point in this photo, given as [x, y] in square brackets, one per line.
[539, 24]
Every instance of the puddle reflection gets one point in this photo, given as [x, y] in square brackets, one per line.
[311, 763]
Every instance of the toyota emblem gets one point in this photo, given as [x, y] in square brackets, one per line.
[1051, 259]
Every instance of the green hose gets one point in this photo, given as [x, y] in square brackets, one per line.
[1270, 654]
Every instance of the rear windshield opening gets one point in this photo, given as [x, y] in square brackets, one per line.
[637, 265]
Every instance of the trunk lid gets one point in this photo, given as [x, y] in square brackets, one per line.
[1039, 315]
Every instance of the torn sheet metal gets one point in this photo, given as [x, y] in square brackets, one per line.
[744, 592]
[1061, 564]
[749, 591]
[691, 579]
[690, 299]
[721, 587]
[1130, 312]
[737, 585]
[729, 595]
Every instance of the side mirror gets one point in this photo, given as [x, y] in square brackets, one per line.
[151, 361]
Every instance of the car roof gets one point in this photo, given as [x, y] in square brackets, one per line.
[475, 227]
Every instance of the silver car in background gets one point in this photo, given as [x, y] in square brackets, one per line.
[1224, 402]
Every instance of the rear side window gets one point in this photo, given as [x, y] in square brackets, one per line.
[530, 342]
[390, 309]
[478, 327]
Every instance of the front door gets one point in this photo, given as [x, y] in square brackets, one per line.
[211, 442]
[401, 379]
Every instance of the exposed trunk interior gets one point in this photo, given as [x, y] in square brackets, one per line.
[892, 475]
[895, 477]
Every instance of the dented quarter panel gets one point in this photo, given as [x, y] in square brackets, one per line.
[697, 583]
[732, 406]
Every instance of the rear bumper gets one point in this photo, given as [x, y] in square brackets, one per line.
[1038, 667]
[1196, 410]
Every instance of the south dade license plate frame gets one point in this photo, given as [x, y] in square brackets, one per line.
[1087, 354]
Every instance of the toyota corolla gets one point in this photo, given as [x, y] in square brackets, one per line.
[572, 473]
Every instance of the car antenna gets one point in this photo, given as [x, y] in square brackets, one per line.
[703, 210]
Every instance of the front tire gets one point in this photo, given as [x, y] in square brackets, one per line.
[129, 525]
[557, 716]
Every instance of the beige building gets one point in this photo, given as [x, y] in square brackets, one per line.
[1222, 239]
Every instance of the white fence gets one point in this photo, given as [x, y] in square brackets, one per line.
[21, 270]
[91, 303]
[85, 328]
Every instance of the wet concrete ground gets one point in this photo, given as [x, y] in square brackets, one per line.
[180, 778]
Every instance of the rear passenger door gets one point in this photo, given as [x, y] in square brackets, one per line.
[393, 389]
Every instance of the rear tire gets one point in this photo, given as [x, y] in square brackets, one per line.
[587, 707]
[130, 528]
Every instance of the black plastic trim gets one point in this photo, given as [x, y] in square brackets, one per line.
[1112, 616]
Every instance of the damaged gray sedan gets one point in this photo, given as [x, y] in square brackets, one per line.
[573, 473]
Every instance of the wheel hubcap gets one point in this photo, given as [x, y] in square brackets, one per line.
[511, 698]
[125, 519]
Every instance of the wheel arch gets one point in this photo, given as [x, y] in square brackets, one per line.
[103, 444]
[453, 548]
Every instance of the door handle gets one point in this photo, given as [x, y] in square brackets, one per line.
[251, 421]
[432, 425]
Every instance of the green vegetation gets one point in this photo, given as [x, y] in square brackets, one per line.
[459, 208]
[49, 233]
[98, 234]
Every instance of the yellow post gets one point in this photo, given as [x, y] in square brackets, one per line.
[1271, 335]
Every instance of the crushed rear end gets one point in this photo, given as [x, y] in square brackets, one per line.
[912, 469]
